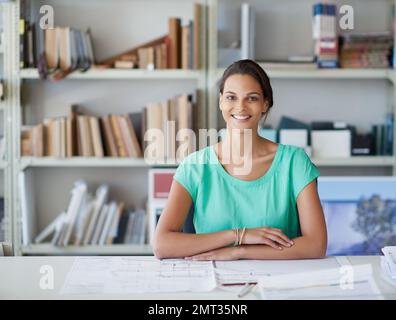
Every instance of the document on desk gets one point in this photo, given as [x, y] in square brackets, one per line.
[252, 270]
[348, 282]
[123, 275]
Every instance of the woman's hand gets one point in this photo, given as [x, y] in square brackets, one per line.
[269, 236]
[227, 253]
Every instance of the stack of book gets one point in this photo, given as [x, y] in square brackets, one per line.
[180, 48]
[94, 220]
[54, 51]
[112, 135]
[388, 264]
[82, 135]
[325, 35]
[58, 51]
[366, 50]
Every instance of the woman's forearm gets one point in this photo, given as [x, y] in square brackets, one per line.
[179, 244]
[303, 248]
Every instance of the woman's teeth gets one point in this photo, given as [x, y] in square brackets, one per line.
[240, 117]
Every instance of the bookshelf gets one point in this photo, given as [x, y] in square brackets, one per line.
[100, 92]
[293, 21]
[344, 93]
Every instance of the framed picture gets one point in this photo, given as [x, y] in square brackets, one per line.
[360, 213]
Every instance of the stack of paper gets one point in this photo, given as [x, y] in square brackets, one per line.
[346, 282]
[388, 263]
[125, 275]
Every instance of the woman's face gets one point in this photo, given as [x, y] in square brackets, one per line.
[242, 102]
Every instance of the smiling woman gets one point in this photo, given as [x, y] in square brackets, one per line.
[252, 198]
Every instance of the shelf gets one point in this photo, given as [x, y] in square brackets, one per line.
[358, 161]
[378, 74]
[116, 249]
[101, 74]
[26, 162]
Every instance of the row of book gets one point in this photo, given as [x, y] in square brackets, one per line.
[61, 50]
[84, 135]
[95, 220]
[81, 135]
[54, 51]
[366, 50]
[179, 49]
[330, 139]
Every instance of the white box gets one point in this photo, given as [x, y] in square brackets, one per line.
[294, 137]
[331, 143]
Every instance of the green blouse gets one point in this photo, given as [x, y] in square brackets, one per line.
[223, 202]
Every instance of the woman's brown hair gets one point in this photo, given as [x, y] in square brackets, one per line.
[251, 68]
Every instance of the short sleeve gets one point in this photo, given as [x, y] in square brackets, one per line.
[303, 171]
[185, 177]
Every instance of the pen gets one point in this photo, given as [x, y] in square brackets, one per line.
[246, 289]
[237, 283]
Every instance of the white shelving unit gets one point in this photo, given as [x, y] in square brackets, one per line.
[221, 25]
[120, 86]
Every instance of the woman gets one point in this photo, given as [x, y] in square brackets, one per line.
[271, 211]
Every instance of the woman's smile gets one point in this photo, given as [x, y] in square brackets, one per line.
[241, 118]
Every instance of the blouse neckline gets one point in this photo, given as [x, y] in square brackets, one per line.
[267, 175]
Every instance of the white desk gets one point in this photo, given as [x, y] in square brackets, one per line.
[20, 279]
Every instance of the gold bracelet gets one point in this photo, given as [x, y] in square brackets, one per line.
[236, 236]
[243, 233]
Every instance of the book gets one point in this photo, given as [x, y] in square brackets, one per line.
[174, 26]
[83, 220]
[198, 37]
[113, 231]
[101, 196]
[247, 31]
[50, 229]
[78, 197]
[119, 142]
[105, 232]
[96, 137]
[108, 134]
[100, 224]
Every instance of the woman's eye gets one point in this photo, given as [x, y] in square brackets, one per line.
[230, 98]
[253, 99]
